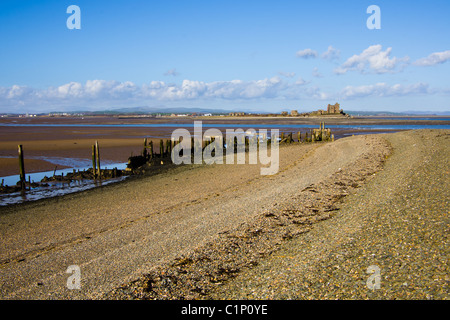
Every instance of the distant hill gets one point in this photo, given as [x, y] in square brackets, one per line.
[397, 114]
[148, 110]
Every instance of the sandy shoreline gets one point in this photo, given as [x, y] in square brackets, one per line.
[118, 143]
[120, 232]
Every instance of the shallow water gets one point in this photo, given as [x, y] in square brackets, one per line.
[57, 189]
[243, 125]
[38, 176]
[54, 188]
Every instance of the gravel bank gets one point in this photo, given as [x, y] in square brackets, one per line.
[398, 222]
[208, 271]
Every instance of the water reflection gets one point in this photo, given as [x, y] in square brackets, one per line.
[54, 188]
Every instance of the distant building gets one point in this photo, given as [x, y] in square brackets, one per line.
[294, 113]
[331, 109]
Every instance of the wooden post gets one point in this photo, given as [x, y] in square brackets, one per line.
[299, 137]
[97, 150]
[21, 168]
[151, 149]
[332, 137]
[168, 147]
[94, 162]
[161, 148]
[144, 152]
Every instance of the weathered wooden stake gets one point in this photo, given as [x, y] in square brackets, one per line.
[97, 150]
[94, 162]
[161, 148]
[168, 147]
[144, 152]
[151, 149]
[21, 168]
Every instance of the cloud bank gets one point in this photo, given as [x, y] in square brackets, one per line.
[307, 53]
[98, 94]
[373, 59]
[433, 59]
[384, 90]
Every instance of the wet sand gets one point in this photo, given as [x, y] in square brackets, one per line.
[10, 166]
[119, 143]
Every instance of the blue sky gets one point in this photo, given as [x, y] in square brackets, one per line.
[252, 55]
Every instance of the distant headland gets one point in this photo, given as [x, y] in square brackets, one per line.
[332, 110]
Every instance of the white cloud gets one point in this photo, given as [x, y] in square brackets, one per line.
[373, 59]
[124, 89]
[433, 59]
[384, 90]
[331, 54]
[238, 89]
[92, 89]
[107, 93]
[101, 93]
[316, 73]
[15, 92]
[97, 88]
[172, 72]
[287, 74]
[300, 81]
[307, 53]
[317, 94]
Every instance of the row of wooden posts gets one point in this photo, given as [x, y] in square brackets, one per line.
[165, 147]
[321, 134]
[95, 165]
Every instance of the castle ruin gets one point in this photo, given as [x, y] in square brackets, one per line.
[332, 109]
